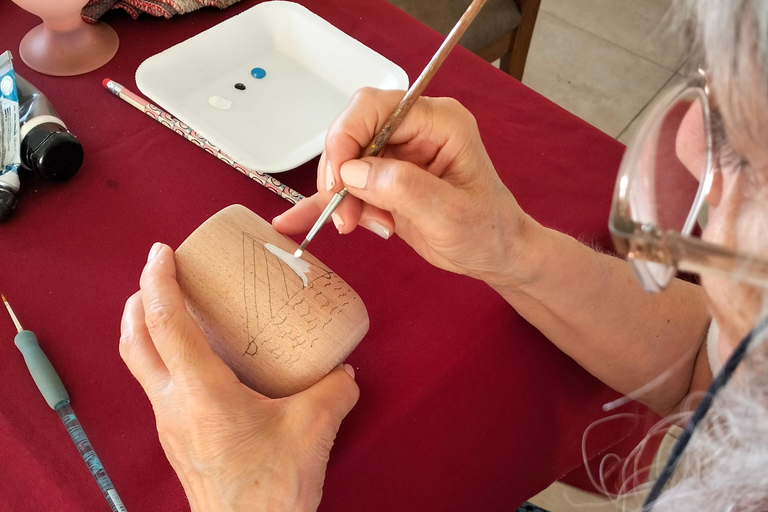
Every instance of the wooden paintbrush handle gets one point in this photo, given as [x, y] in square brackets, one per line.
[396, 117]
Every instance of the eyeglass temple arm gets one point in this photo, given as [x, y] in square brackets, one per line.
[695, 255]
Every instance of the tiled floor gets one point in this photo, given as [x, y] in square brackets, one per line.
[605, 61]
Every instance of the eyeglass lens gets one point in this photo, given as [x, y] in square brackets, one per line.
[665, 189]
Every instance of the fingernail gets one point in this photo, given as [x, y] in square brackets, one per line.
[337, 221]
[276, 219]
[351, 371]
[330, 181]
[378, 228]
[355, 173]
[155, 249]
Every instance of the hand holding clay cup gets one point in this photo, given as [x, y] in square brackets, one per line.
[232, 448]
[281, 323]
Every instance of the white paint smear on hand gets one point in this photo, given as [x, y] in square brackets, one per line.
[300, 266]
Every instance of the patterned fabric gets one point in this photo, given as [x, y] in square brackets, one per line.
[95, 9]
[530, 507]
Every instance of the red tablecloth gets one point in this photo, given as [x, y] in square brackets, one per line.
[464, 405]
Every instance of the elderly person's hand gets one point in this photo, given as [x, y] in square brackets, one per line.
[434, 185]
[232, 448]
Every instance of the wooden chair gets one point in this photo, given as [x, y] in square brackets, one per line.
[502, 30]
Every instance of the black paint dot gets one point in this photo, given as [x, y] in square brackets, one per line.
[239, 86]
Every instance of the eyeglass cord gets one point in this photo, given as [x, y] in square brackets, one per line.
[706, 403]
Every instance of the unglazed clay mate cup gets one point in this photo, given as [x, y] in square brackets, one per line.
[281, 323]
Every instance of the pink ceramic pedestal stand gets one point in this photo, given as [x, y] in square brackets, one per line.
[64, 45]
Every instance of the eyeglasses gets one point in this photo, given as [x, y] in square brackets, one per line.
[666, 175]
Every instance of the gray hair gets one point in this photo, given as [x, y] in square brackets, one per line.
[725, 466]
[729, 40]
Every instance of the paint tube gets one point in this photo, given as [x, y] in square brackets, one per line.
[48, 149]
[10, 140]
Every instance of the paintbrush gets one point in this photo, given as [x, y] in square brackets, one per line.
[396, 117]
[52, 389]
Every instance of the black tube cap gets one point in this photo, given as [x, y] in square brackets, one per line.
[51, 152]
[7, 203]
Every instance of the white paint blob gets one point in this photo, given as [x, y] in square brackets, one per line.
[298, 265]
[219, 102]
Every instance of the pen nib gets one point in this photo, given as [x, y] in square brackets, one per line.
[13, 316]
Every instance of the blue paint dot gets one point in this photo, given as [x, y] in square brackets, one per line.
[258, 73]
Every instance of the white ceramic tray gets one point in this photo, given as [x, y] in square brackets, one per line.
[277, 122]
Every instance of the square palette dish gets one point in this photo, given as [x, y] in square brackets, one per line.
[294, 72]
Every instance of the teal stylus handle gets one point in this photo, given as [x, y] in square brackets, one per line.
[46, 378]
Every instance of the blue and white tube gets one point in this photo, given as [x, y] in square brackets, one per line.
[10, 140]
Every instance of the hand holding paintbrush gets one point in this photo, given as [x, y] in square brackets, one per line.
[394, 120]
[434, 184]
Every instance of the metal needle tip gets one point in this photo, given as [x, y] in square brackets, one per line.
[13, 316]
